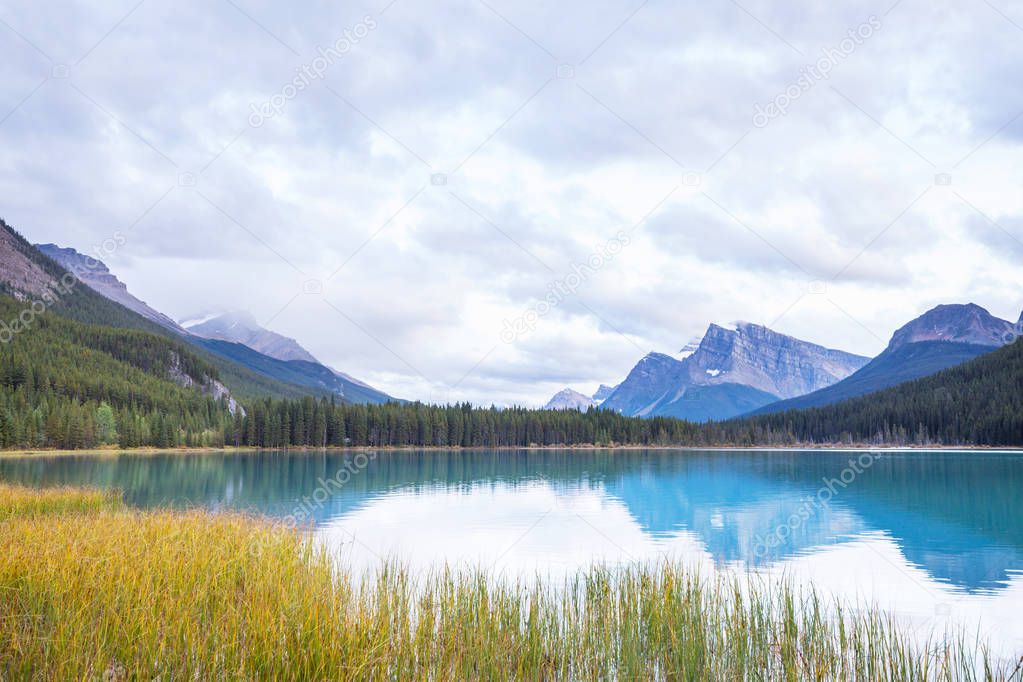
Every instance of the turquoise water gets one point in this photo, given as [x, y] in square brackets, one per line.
[935, 536]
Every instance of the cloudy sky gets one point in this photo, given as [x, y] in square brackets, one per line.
[491, 200]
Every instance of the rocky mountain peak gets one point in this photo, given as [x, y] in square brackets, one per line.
[958, 323]
[97, 276]
[756, 356]
[240, 326]
[569, 399]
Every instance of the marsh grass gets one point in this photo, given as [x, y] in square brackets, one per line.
[19, 501]
[91, 590]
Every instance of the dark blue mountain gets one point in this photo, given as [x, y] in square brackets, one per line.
[311, 375]
[944, 337]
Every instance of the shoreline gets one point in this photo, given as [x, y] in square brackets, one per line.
[245, 449]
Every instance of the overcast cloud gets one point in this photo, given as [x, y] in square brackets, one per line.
[458, 159]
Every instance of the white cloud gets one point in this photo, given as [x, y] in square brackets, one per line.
[549, 167]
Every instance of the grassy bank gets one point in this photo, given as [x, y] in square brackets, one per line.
[91, 590]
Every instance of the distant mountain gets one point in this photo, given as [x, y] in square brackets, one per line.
[98, 277]
[729, 372]
[106, 300]
[978, 402]
[603, 393]
[241, 327]
[943, 337]
[316, 378]
[968, 324]
[569, 400]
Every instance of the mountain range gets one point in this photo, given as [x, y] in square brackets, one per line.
[729, 371]
[943, 337]
[748, 369]
[241, 327]
[733, 370]
[282, 367]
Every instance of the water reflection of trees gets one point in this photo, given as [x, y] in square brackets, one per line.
[954, 515]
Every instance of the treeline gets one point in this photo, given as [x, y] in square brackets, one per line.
[977, 403]
[282, 423]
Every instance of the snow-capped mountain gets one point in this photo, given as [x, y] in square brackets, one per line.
[731, 371]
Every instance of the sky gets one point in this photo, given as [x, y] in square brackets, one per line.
[490, 200]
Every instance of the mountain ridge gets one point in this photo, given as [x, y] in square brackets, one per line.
[241, 327]
[95, 274]
[738, 369]
[943, 337]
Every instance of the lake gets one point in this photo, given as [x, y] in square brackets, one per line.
[936, 537]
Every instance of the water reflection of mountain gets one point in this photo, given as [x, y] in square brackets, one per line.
[954, 515]
[951, 514]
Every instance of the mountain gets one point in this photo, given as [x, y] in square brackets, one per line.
[98, 277]
[295, 364]
[569, 400]
[969, 324]
[943, 337]
[78, 370]
[262, 372]
[241, 327]
[730, 371]
[317, 379]
[27, 275]
[978, 402]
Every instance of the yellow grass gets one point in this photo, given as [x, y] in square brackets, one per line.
[91, 590]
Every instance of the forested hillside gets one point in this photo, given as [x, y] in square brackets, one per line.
[28, 274]
[977, 403]
[65, 384]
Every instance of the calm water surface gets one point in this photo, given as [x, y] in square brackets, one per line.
[937, 537]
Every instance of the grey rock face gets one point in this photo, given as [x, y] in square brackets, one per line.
[603, 392]
[569, 400]
[958, 323]
[25, 277]
[97, 276]
[751, 357]
[209, 385]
